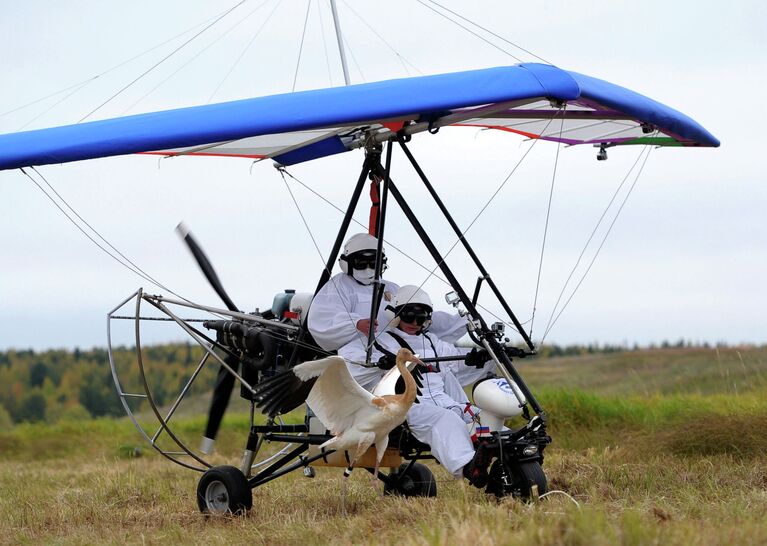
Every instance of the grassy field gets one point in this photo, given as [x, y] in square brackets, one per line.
[651, 459]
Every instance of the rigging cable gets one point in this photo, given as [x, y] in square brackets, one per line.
[194, 57]
[591, 237]
[548, 216]
[324, 43]
[496, 46]
[482, 210]
[247, 47]
[392, 245]
[122, 259]
[322, 258]
[158, 63]
[118, 256]
[401, 58]
[354, 58]
[301, 45]
[115, 67]
[52, 106]
[601, 244]
[490, 32]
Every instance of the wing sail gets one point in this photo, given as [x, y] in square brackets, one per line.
[294, 127]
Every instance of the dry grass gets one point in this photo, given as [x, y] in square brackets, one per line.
[637, 488]
[684, 467]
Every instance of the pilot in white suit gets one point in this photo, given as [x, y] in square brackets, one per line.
[340, 312]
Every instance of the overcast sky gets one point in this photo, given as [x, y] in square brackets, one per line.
[685, 259]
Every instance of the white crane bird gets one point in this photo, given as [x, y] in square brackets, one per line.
[358, 419]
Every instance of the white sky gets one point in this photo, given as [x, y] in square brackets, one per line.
[686, 258]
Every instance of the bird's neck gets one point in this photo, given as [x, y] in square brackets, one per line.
[410, 387]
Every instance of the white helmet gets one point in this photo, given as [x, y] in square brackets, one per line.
[360, 242]
[410, 294]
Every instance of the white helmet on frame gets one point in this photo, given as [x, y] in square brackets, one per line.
[358, 258]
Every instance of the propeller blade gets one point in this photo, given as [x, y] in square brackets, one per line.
[205, 265]
[222, 392]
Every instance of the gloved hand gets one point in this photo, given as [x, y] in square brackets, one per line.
[387, 362]
[477, 357]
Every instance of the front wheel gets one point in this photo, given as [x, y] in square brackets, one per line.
[224, 490]
[415, 481]
[517, 479]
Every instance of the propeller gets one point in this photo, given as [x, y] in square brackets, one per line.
[224, 380]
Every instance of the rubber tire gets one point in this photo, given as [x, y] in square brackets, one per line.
[239, 497]
[418, 481]
[524, 476]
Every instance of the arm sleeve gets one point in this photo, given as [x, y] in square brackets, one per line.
[466, 375]
[331, 321]
[448, 327]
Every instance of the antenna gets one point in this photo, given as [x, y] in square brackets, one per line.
[337, 24]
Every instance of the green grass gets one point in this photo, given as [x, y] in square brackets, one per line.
[664, 465]
[654, 371]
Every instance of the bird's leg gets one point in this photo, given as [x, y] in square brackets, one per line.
[381, 446]
[374, 480]
[344, 487]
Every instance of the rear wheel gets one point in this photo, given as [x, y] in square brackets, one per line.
[224, 490]
[518, 479]
[416, 481]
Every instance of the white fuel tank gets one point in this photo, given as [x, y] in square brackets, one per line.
[496, 398]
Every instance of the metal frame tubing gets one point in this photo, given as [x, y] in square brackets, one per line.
[378, 285]
[333, 256]
[439, 260]
[465, 243]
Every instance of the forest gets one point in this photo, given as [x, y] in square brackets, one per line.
[48, 386]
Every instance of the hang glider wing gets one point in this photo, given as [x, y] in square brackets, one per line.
[533, 100]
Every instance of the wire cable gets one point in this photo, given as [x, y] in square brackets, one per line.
[115, 67]
[324, 43]
[301, 46]
[496, 46]
[322, 258]
[400, 57]
[158, 63]
[192, 59]
[591, 237]
[246, 48]
[117, 255]
[604, 239]
[548, 216]
[393, 246]
[482, 210]
[489, 31]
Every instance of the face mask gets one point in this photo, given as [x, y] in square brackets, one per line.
[364, 276]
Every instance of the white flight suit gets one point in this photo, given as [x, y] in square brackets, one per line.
[439, 418]
[339, 305]
[343, 301]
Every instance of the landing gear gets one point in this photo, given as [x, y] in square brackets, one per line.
[224, 490]
[522, 480]
[411, 480]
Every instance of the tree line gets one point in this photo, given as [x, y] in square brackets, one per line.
[77, 384]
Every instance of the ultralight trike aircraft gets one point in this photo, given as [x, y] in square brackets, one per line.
[537, 101]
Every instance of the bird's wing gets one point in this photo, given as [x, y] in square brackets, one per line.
[282, 393]
[336, 397]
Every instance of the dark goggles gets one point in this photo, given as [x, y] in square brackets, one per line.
[362, 261]
[414, 315]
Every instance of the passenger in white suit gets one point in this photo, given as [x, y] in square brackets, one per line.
[441, 417]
